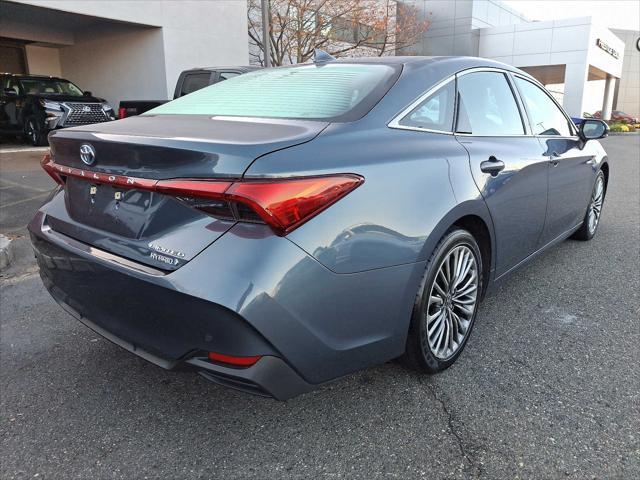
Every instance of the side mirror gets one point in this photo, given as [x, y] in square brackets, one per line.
[9, 92]
[592, 129]
[87, 93]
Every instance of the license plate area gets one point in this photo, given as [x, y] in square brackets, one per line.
[116, 210]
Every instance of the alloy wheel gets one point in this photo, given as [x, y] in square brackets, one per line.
[452, 303]
[31, 131]
[595, 207]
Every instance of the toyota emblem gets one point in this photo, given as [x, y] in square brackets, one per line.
[87, 154]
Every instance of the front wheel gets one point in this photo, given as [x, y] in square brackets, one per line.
[34, 133]
[592, 218]
[446, 304]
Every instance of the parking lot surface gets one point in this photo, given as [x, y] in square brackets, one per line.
[548, 386]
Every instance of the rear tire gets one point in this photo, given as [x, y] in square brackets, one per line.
[591, 219]
[33, 132]
[446, 303]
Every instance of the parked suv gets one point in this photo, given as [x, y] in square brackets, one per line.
[33, 105]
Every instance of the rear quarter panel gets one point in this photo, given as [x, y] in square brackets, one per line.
[406, 201]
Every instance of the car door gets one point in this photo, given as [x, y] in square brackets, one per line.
[571, 163]
[9, 103]
[507, 163]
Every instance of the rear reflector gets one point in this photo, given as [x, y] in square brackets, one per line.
[233, 360]
[283, 203]
[47, 165]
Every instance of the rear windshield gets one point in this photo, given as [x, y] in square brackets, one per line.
[335, 92]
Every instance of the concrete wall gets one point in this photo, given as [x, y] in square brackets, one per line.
[118, 62]
[43, 60]
[453, 24]
[136, 49]
[569, 42]
[628, 89]
[203, 34]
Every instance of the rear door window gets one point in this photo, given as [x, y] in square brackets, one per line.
[194, 81]
[486, 105]
[435, 112]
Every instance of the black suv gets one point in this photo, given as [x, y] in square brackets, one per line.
[33, 105]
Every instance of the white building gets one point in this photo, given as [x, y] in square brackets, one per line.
[133, 49]
[121, 49]
[576, 58]
[627, 96]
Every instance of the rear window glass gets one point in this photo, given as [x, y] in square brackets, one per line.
[337, 92]
[193, 82]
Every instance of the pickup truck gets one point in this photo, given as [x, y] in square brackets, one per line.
[188, 82]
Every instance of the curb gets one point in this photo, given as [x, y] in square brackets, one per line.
[6, 251]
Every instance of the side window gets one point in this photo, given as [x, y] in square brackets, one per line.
[10, 83]
[227, 75]
[193, 82]
[486, 105]
[434, 113]
[546, 118]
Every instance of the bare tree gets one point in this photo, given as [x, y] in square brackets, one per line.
[340, 27]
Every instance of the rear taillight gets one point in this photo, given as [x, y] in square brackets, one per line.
[283, 203]
[47, 165]
[122, 112]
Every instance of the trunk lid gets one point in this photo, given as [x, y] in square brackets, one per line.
[147, 226]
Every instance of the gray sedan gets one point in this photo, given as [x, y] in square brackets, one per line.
[292, 225]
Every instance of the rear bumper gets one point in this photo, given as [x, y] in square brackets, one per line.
[249, 293]
[167, 328]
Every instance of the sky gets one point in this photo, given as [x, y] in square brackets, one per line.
[624, 14]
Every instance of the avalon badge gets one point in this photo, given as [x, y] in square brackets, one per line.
[87, 154]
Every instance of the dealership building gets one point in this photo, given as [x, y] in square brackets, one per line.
[586, 65]
[136, 49]
[125, 49]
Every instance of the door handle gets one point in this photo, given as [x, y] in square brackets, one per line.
[492, 166]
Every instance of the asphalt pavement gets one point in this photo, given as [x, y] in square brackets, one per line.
[548, 386]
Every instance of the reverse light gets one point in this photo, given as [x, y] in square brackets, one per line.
[233, 360]
[282, 203]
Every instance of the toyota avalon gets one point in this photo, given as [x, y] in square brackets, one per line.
[293, 225]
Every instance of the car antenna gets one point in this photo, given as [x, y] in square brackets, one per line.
[320, 56]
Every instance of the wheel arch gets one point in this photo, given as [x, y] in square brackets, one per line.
[473, 216]
[477, 227]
